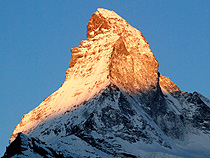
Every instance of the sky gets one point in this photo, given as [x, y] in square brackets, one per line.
[36, 38]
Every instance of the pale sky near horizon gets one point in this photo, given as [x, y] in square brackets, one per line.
[36, 38]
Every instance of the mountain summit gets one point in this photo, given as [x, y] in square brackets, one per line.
[114, 53]
[114, 103]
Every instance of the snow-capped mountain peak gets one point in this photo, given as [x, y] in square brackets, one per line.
[114, 52]
[115, 103]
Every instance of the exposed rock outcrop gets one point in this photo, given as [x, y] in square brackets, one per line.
[168, 85]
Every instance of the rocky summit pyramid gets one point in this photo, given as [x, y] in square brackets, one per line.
[114, 103]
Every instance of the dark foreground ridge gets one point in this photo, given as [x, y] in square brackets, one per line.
[24, 146]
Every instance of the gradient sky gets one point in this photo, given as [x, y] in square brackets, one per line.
[36, 38]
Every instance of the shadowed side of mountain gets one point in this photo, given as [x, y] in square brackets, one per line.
[115, 124]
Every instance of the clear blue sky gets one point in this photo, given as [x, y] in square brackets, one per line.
[36, 38]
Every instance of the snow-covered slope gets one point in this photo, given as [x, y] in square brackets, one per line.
[114, 103]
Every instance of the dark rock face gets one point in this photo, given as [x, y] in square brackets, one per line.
[112, 114]
[24, 146]
[198, 113]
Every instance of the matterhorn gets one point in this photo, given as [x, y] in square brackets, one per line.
[114, 103]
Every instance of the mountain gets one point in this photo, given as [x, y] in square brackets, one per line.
[114, 103]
